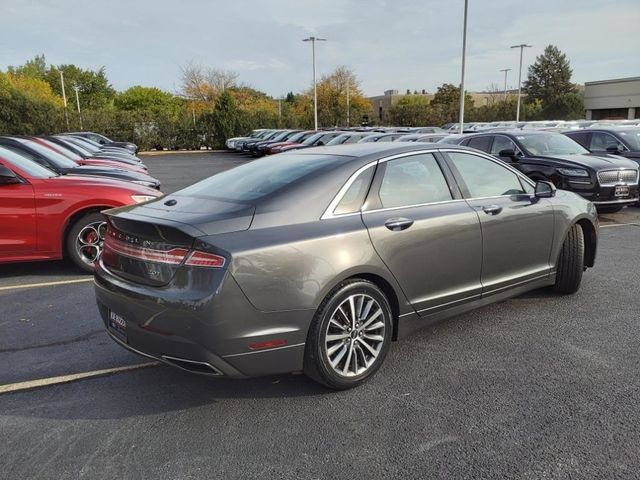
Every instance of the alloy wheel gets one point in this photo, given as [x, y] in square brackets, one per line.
[355, 335]
[89, 242]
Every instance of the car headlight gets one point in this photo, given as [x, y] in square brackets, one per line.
[573, 172]
[142, 198]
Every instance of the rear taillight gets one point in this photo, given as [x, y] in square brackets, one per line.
[204, 259]
[174, 256]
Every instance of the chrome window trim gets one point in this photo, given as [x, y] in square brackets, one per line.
[328, 213]
[453, 200]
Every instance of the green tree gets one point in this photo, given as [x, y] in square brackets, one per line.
[147, 98]
[95, 89]
[446, 103]
[34, 68]
[549, 82]
[227, 119]
[410, 111]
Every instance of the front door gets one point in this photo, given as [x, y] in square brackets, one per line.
[428, 237]
[517, 227]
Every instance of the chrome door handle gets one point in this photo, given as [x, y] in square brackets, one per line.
[398, 223]
[492, 209]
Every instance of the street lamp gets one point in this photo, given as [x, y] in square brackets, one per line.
[77, 88]
[313, 41]
[464, 53]
[505, 70]
[522, 46]
[348, 112]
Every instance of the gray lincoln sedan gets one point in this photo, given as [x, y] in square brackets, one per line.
[317, 260]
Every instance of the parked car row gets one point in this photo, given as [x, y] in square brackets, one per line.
[53, 188]
[588, 161]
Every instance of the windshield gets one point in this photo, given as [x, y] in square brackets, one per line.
[313, 138]
[252, 181]
[340, 139]
[550, 144]
[81, 148]
[297, 136]
[632, 137]
[25, 164]
[63, 150]
[55, 158]
[91, 147]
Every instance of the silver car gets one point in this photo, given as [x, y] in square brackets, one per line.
[317, 260]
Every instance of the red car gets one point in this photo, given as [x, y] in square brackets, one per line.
[99, 162]
[293, 140]
[46, 216]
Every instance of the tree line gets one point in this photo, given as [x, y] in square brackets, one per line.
[213, 104]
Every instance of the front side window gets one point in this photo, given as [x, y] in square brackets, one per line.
[502, 143]
[413, 180]
[485, 178]
[601, 141]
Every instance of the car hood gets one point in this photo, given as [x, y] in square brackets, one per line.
[591, 160]
[209, 216]
[89, 182]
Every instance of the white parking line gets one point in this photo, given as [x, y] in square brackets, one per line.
[620, 225]
[45, 382]
[47, 284]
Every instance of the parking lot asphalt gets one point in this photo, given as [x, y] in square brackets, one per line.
[539, 386]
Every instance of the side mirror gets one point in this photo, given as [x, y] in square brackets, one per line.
[7, 176]
[508, 153]
[545, 189]
[615, 149]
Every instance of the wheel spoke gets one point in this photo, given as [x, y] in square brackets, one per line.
[348, 361]
[375, 338]
[372, 318]
[339, 336]
[334, 348]
[335, 323]
[375, 326]
[368, 347]
[335, 361]
[352, 307]
[367, 309]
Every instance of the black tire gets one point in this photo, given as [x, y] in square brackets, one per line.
[570, 264]
[80, 256]
[317, 364]
[612, 209]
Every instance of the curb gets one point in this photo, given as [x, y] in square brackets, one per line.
[152, 153]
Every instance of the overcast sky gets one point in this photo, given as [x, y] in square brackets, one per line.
[399, 44]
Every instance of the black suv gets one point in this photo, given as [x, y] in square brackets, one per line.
[609, 181]
[623, 141]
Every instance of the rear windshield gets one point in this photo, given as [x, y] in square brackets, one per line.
[252, 181]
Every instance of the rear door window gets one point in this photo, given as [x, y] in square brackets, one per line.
[481, 143]
[413, 180]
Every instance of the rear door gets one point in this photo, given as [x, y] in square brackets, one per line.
[517, 227]
[425, 233]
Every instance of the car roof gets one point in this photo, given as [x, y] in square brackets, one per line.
[376, 150]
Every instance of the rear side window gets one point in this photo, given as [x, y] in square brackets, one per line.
[353, 198]
[580, 137]
[481, 143]
[413, 180]
[485, 178]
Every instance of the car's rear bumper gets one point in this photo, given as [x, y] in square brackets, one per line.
[203, 332]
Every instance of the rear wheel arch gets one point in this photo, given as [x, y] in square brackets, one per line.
[72, 219]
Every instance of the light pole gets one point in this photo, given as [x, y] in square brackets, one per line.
[313, 41]
[348, 113]
[464, 53]
[505, 70]
[64, 99]
[76, 88]
[522, 46]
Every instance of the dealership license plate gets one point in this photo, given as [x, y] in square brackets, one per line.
[622, 191]
[118, 325]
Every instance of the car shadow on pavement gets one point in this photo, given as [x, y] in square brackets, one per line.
[58, 269]
[150, 391]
